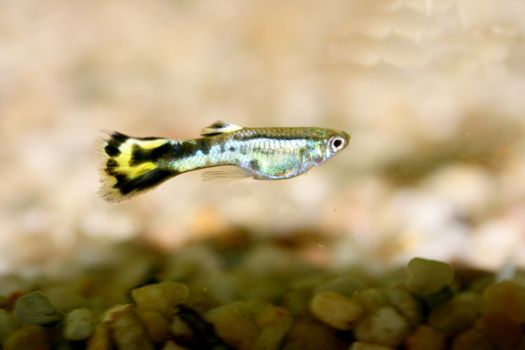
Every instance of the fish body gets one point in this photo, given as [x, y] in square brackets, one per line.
[134, 165]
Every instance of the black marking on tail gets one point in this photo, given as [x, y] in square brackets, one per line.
[144, 182]
[114, 142]
[110, 165]
[140, 155]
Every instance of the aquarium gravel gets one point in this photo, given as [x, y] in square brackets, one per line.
[242, 293]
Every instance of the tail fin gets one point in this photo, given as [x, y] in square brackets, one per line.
[133, 165]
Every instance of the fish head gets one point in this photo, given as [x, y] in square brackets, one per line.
[327, 144]
[335, 143]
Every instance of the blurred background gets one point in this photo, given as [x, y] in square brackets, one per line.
[432, 93]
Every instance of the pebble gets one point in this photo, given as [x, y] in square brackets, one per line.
[507, 297]
[426, 338]
[31, 337]
[251, 324]
[373, 298]
[170, 345]
[336, 310]
[345, 285]
[78, 324]
[234, 324]
[453, 316]
[35, 308]
[156, 324]
[161, 297]
[471, 339]
[502, 331]
[296, 302]
[274, 324]
[406, 304]
[8, 324]
[428, 276]
[126, 329]
[65, 298]
[386, 326]
[431, 301]
[310, 334]
[100, 339]
[367, 346]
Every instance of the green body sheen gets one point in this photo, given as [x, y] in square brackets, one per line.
[263, 153]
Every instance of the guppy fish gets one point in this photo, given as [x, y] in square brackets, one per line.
[137, 164]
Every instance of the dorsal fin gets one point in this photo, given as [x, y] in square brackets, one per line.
[219, 127]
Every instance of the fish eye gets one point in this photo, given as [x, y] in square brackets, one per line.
[336, 143]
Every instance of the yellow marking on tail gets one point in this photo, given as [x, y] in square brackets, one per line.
[123, 160]
[133, 172]
[149, 144]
